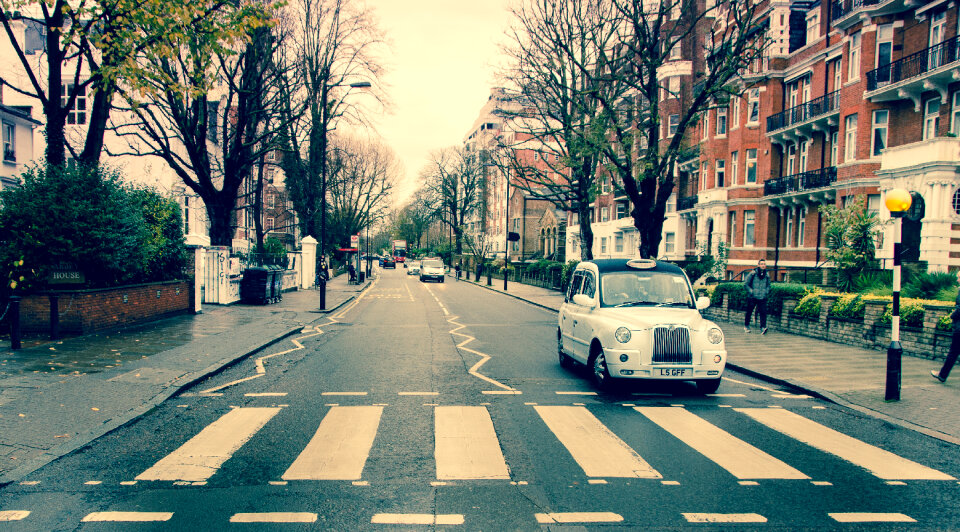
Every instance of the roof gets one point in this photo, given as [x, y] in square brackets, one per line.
[620, 265]
[18, 112]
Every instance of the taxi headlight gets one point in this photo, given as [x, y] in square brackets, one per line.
[622, 335]
[715, 335]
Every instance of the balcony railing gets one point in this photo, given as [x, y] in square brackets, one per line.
[823, 177]
[843, 8]
[687, 202]
[914, 65]
[805, 111]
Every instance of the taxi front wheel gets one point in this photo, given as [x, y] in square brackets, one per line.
[599, 373]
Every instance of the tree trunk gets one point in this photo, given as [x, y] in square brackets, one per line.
[220, 210]
[99, 115]
[586, 232]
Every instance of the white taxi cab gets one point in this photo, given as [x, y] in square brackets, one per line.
[638, 319]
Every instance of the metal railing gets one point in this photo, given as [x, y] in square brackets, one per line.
[687, 202]
[841, 9]
[820, 178]
[804, 111]
[914, 65]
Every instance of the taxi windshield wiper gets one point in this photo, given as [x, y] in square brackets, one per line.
[674, 304]
[635, 303]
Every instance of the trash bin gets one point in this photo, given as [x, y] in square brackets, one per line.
[255, 287]
[360, 276]
[276, 283]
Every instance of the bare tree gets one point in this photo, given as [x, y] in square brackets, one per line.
[334, 55]
[360, 191]
[453, 183]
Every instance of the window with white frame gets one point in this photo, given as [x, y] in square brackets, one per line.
[884, 54]
[853, 61]
[9, 142]
[604, 214]
[605, 185]
[705, 125]
[813, 25]
[878, 141]
[673, 124]
[76, 113]
[603, 244]
[804, 156]
[753, 107]
[834, 147]
[721, 121]
[621, 210]
[955, 114]
[271, 201]
[673, 85]
[732, 217]
[735, 118]
[676, 52]
[618, 243]
[669, 242]
[749, 239]
[733, 168]
[704, 175]
[931, 118]
[837, 74]
[789, 236]
[801, 226]
[268, 225]
[751, 164]
[791, 158]
[186, 215]
[850, 140]
[721, 172]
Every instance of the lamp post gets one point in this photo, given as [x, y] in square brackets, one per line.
[327, 117]
[898, 202]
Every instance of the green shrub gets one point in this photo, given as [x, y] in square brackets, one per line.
[947, 294]
[809, 305]
[781, 291]
[849, 306]
[870, 281]
[928, 285]
[567, 272]
[911, 313]
[945, 323]
[735, 293]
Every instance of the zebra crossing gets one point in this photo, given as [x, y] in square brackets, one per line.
[467, 446]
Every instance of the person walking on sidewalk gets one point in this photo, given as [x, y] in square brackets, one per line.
[954, 343]
[757, 284]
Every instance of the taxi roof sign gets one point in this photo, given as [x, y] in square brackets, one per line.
[642, 264]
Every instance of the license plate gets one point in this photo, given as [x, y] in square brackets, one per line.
[674, 372]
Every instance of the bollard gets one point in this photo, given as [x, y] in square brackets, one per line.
[323, 293]
[14, 322]
[489, 276]
[54, 317]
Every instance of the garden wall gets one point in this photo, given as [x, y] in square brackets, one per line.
[87, 311]
[924, 342]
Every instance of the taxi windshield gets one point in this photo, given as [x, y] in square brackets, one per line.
[645, 288]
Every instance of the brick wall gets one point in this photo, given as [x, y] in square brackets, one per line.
[87, 311]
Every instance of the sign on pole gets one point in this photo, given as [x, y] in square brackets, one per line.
[354, 241]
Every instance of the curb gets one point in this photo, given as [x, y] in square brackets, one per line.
[485, 287]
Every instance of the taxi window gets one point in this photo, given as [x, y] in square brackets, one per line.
[574, 287]
[589, 287]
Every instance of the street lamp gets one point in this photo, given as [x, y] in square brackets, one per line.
[898, 203]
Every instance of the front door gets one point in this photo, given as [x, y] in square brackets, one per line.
[583, 318]
[567, 313]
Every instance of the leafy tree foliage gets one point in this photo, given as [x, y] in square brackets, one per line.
[851, 233]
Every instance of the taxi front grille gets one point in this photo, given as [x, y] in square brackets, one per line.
[671, 345]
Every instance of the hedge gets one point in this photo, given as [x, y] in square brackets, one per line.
[737, 295]
[849, 306]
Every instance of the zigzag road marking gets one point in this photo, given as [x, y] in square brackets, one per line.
[308, 332]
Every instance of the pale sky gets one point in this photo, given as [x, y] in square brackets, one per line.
[441, 69]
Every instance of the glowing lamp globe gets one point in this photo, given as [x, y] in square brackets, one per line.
[898, 200]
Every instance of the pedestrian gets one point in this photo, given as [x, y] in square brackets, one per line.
[954, 342]
[457, 269]
[353, 272]
[757, 284]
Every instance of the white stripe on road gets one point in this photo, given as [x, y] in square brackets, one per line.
[343, 393]
[202, 455]
[598, 450]
[274, 517]
[266, 394]
[418, 393]
[340, 447]
[130, 517]
[871, 518]
[502, 392]
[13, 515]
[576, 393]
[741, 459]
[724, 518]
[467, 445]
[880, 463]
[579, 517]
[417, 519]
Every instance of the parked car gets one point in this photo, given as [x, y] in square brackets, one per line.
[413, 268]
[388, 262]
[638, 319]
[431, 269]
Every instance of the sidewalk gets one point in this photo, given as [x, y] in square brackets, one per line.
[847, 375]
[56, 397]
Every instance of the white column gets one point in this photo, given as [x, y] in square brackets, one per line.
[197, 279]
[308, 272]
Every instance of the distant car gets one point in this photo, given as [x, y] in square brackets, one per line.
[413, 268]
[431, 269]
[638, 319]
[388, 262]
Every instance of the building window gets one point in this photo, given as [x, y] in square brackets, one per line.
[853, 63]
[603, 244]
[749, 238]
[850, 130]
[268, 226]
[271, 201]
[604, 214]
[733, 168]
[186, 215]
[705, 130]
[791, 157]
[721, 172]
[931, 118]
[77, 113]
[721, 121]
[751, 165]
[789, 237]
[618, 243]
[673, 125]
[735, 119]
[271, 155]
[753, 107]
[884, 51]
[955, 114]
[733, 228]
[938, 25]
[9, 146]
[879, 139]
[837, 74]
[621, 210]
[674, 86]
[956, 202]
[813, 25]
[801, 226]
[704, 175]
[669, 243]
[804, 156]
[834, 148]
[676, 52]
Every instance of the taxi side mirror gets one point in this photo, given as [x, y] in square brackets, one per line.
[703, 302]
[583, 300]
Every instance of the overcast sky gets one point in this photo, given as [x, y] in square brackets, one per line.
[441, 64]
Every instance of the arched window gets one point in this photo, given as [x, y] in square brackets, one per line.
[956, 201]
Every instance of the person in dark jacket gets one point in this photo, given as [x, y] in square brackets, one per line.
[954, 343]
[757, 284]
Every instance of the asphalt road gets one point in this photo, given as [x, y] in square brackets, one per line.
[442, 406]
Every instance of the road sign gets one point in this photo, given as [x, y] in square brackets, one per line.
[354, 240]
